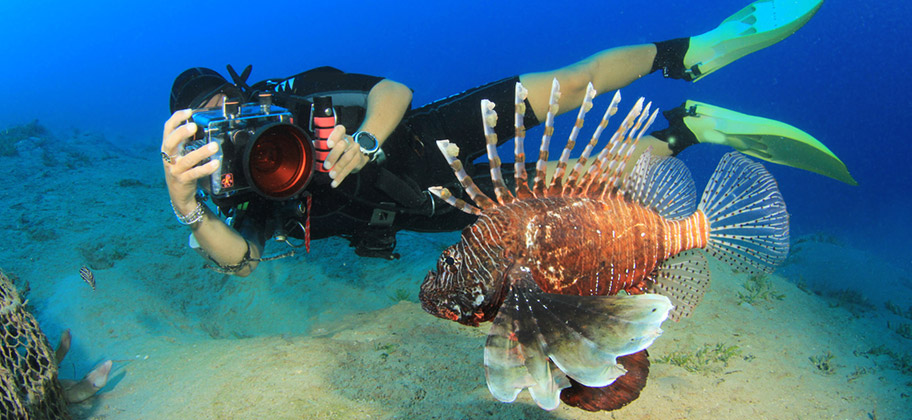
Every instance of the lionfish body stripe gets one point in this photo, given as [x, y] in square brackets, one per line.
[582, 246]
[548, 264]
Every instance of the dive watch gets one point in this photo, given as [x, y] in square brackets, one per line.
[369, 145]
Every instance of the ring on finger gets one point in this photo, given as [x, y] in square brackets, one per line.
[168, 158]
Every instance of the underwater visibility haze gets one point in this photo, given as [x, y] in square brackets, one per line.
[94, 251]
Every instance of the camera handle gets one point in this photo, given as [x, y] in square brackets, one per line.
[322, 124]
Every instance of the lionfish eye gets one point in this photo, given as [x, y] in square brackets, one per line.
[449, 260]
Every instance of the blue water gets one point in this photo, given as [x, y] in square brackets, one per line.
[107, 67]
[100, 65]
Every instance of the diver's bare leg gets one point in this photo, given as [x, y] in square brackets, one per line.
[659, 148]
[608, 70]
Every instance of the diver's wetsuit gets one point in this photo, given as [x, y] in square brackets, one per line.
[369, 206]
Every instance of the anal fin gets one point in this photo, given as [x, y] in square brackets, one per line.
[684, 279]
[539, 339]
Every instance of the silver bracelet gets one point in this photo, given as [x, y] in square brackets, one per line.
[194, 216]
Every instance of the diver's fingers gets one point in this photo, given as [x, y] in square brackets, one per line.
[197, 172]
[352, 161]
[177, 118]
[176, 136]
[186, 170]
[337, 141]
[188, 161]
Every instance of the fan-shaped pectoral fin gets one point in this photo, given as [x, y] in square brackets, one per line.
[515, 352]
[540, 338]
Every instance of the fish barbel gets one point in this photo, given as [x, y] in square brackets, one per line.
[547, 263]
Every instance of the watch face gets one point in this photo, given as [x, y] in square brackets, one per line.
[366, 141]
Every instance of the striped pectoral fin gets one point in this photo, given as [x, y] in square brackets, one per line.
[513, 364]
[515, 355]
[683, 279]
[582, 336]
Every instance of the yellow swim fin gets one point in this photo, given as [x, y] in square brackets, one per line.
[763, 138]
[757, 26]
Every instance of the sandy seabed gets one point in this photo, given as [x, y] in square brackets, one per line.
[331, 335]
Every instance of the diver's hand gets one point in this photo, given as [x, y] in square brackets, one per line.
[182, 173]
[345, 158]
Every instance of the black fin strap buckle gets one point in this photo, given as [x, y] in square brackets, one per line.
[241, 80]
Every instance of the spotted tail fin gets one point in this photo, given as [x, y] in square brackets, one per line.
[748, 221]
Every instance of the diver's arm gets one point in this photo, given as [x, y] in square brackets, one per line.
[225, 246]
[221, 243]
[386, 105]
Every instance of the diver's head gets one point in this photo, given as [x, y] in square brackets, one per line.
[196, 88]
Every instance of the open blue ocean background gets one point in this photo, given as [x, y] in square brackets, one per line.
[106, 68]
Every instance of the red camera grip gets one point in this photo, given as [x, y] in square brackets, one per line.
[323, 126]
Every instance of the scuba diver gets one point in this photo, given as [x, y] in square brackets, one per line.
[378, 158]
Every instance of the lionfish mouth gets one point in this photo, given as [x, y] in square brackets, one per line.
[436, 303]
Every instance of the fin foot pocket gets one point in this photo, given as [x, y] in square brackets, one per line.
[763, 138]
[756, 26]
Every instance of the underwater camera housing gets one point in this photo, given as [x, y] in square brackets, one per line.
[260, 150]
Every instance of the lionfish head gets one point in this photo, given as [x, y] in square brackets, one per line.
[451, 293]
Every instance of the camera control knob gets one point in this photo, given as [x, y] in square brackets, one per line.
[231, 109]
[265, 99]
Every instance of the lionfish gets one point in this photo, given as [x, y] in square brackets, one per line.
[579, 273]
